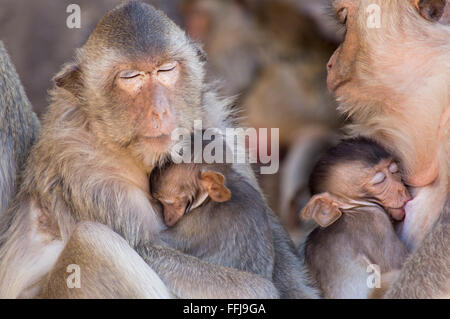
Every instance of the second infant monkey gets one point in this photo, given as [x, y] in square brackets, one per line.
[357, 189]
[212, 210]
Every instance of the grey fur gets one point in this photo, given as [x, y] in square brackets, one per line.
[86, 182]
[233, 234]
[426, 273]
[18, 128]
[338, 255]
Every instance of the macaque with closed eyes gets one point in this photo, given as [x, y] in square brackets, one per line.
[201, 202]
[392, 80]
[85, 196]
[137, 78]
[357, 190]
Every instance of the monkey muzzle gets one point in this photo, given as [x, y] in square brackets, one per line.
[397, 213]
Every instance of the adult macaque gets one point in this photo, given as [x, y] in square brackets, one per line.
[18, 128]
[356, 186]
[113, 109]
[201, 202]
[391, 75]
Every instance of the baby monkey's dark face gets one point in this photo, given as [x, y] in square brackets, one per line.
[181, 188]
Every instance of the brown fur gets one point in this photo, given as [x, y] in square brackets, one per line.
[384, 88]
[338, 256]
[352, 205]
[426, 274]
[203, 231]
[91, 164]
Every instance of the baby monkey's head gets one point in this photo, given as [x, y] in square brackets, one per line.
[182, 187]
[360, 171]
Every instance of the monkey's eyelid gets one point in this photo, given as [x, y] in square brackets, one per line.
[168, 67]
[393, 168]
[378, 178]
[129, 74]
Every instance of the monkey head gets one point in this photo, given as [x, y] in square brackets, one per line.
[383, 184]
[181, 188]
[389, 65]
[368, 25]
[360, 172]
[137, 78]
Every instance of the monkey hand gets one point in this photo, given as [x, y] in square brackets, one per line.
[189, 277]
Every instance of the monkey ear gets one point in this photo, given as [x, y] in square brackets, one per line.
[433, 10]
[70, 79]
[320, 210]
[214, 183]
[327, 217]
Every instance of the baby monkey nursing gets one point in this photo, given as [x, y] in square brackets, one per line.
[357, 190]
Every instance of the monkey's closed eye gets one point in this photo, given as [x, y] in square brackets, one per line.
[393, 168]
[342, 15]
[168, 67]
[129, 74]
[378, 178]
[168, 202]
[168, 74]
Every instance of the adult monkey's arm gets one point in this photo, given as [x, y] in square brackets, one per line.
[426, 274]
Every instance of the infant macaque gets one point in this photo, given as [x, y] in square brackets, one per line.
[214, 214]
[357, 190]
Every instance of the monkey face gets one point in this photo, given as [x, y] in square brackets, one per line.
[366, 48]
[386, 186]
[174, 200]
[138, 81]
[341, 66]
[146, 96]
[370, 75]
[175, 187]
[183, 187]
[175, 209]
